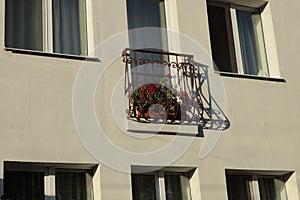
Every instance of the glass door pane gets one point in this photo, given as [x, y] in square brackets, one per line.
[149, 16]
[147, 30]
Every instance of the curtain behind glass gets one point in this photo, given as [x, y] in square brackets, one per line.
[238, 187]
[247, 43]
[66, 27]
[145, 14]
[272, 189]
[70, 185]
[23, 24]
[143, 187]
[177, 187]
[267, 189]
[23, 185]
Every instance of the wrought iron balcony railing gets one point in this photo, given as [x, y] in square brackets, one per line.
[162, 87]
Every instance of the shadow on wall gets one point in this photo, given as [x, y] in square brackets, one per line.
[214, 117]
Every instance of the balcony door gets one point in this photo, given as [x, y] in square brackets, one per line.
[147, 30]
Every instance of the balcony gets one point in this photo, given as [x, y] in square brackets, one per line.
[162, 87]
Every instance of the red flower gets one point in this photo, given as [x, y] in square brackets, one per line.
[143, 97]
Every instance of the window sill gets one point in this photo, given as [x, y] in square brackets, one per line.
[56, 55]
[165, 129]
[247, 76]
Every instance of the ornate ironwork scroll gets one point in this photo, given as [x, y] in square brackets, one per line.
[162, 87]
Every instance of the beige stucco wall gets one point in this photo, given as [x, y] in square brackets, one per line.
[36, 119]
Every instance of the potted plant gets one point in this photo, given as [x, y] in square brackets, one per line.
[156, 100]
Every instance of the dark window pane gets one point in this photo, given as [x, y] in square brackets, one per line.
[238, 187]
[221, 39]
[177, 187]
[23, 185]
[143, 187]
[23, 24]
[70, 185]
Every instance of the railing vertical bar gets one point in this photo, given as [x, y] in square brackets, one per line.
[177, 72]
[144, 65]
[152, 64]
[136, 70]
[192, 77]
[126, 72]
[136, 78]
[127, 80]
[170, 72]
[161, 62]
[164, 64]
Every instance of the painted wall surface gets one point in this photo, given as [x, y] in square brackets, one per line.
[37, 124]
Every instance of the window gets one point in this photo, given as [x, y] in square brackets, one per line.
[164, 185]
[261, 185]
[55, 26]
[237, 38]
[25, 181]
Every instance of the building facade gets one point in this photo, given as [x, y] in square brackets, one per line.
[149, 99]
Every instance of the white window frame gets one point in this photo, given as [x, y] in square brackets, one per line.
[290, 184]
[236, 38]
[160, 180]
[172, 23]
[49, 170]
[268, 33]
[47, 29]
[236, 41]
[84, 5]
